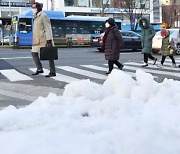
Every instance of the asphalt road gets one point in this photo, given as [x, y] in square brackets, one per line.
[73, 63]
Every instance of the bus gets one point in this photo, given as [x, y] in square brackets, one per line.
[67, 31]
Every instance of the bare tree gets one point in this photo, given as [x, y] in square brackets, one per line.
[133, 12]
[103, 6]
[170, 14]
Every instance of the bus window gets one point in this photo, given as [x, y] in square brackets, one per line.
[71, 27]
[25, 25]
[83, 27]
[97, 27]
[57, 28]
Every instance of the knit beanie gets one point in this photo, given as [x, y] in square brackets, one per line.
[111, 21]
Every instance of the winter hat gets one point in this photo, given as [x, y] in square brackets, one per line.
[163, 32]
[111, 21]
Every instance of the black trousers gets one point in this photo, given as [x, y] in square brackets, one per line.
[39, 65]
[111, 64]
[171, 57]
[146, 56]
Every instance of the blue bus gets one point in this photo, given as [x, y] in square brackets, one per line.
[67, 31]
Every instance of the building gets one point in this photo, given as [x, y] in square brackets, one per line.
[92, 8]
[8, 8]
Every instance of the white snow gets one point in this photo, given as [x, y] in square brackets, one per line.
[122, 116]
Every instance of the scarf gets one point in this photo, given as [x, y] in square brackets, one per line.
[106, 33]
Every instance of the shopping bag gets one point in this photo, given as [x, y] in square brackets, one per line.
[48, 53]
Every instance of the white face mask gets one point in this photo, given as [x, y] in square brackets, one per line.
[107, 24]
[34, 11]
[144, 24]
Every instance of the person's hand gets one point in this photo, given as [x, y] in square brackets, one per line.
[49, 43]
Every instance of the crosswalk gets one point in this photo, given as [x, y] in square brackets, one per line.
[69, 74]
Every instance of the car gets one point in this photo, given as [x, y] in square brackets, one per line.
[157, 40]
[131, 40]
[4, 40]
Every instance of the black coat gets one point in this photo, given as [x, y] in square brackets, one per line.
[113, 43]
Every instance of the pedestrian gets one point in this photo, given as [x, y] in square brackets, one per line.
[112, 42]
[42, 37]
[147, 34]
[167, 48]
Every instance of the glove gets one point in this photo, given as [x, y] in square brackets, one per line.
[49, 43]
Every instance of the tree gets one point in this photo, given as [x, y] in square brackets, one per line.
[103, 5]
[170, 14]
[134, 10]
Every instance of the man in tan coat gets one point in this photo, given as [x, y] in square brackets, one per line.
[42, 36]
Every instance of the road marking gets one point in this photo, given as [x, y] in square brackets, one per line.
[83, 72]
[14, 75]
[16, 58]
[58, 77]
[132, 74]
[17, 95]
[149, 70]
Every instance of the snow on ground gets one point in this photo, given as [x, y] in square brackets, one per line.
[122, 116]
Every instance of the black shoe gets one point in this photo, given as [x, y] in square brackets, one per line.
[121, 67]
[108, 72]
[50, 75]
[154, 61]
[37, 72]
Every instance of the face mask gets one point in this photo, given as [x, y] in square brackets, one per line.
[107, 24]
[34, 11]
[144, 24]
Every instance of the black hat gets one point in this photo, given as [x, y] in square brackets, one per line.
[111, 21]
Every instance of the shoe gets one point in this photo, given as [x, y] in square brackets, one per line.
[121, 67]
[37, 72]
[108, 72]
[144, 65]
[50, 75]
[154, 61]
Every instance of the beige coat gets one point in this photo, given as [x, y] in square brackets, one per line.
[41, 31]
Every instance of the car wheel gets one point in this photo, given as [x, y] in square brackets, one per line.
[135, 50]
[178, 49]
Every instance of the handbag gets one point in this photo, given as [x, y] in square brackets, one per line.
[171, 52]
[48, 53]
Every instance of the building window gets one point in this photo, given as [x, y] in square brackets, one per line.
[69, 2]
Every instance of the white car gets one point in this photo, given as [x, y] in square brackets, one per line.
[157, 40]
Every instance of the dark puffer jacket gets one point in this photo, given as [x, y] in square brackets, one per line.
[147, 34]
[165, 51]
[113, 43]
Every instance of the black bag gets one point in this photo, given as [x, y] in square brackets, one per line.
[48, 53]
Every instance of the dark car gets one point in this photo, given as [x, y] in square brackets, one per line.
[131, 40]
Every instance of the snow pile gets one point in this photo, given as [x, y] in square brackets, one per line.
[122, 116]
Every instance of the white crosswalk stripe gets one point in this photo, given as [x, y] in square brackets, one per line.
[155, 71]
[14, 75]
[94, 72]
[83, 72]
[58, 77]
[105, 69]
